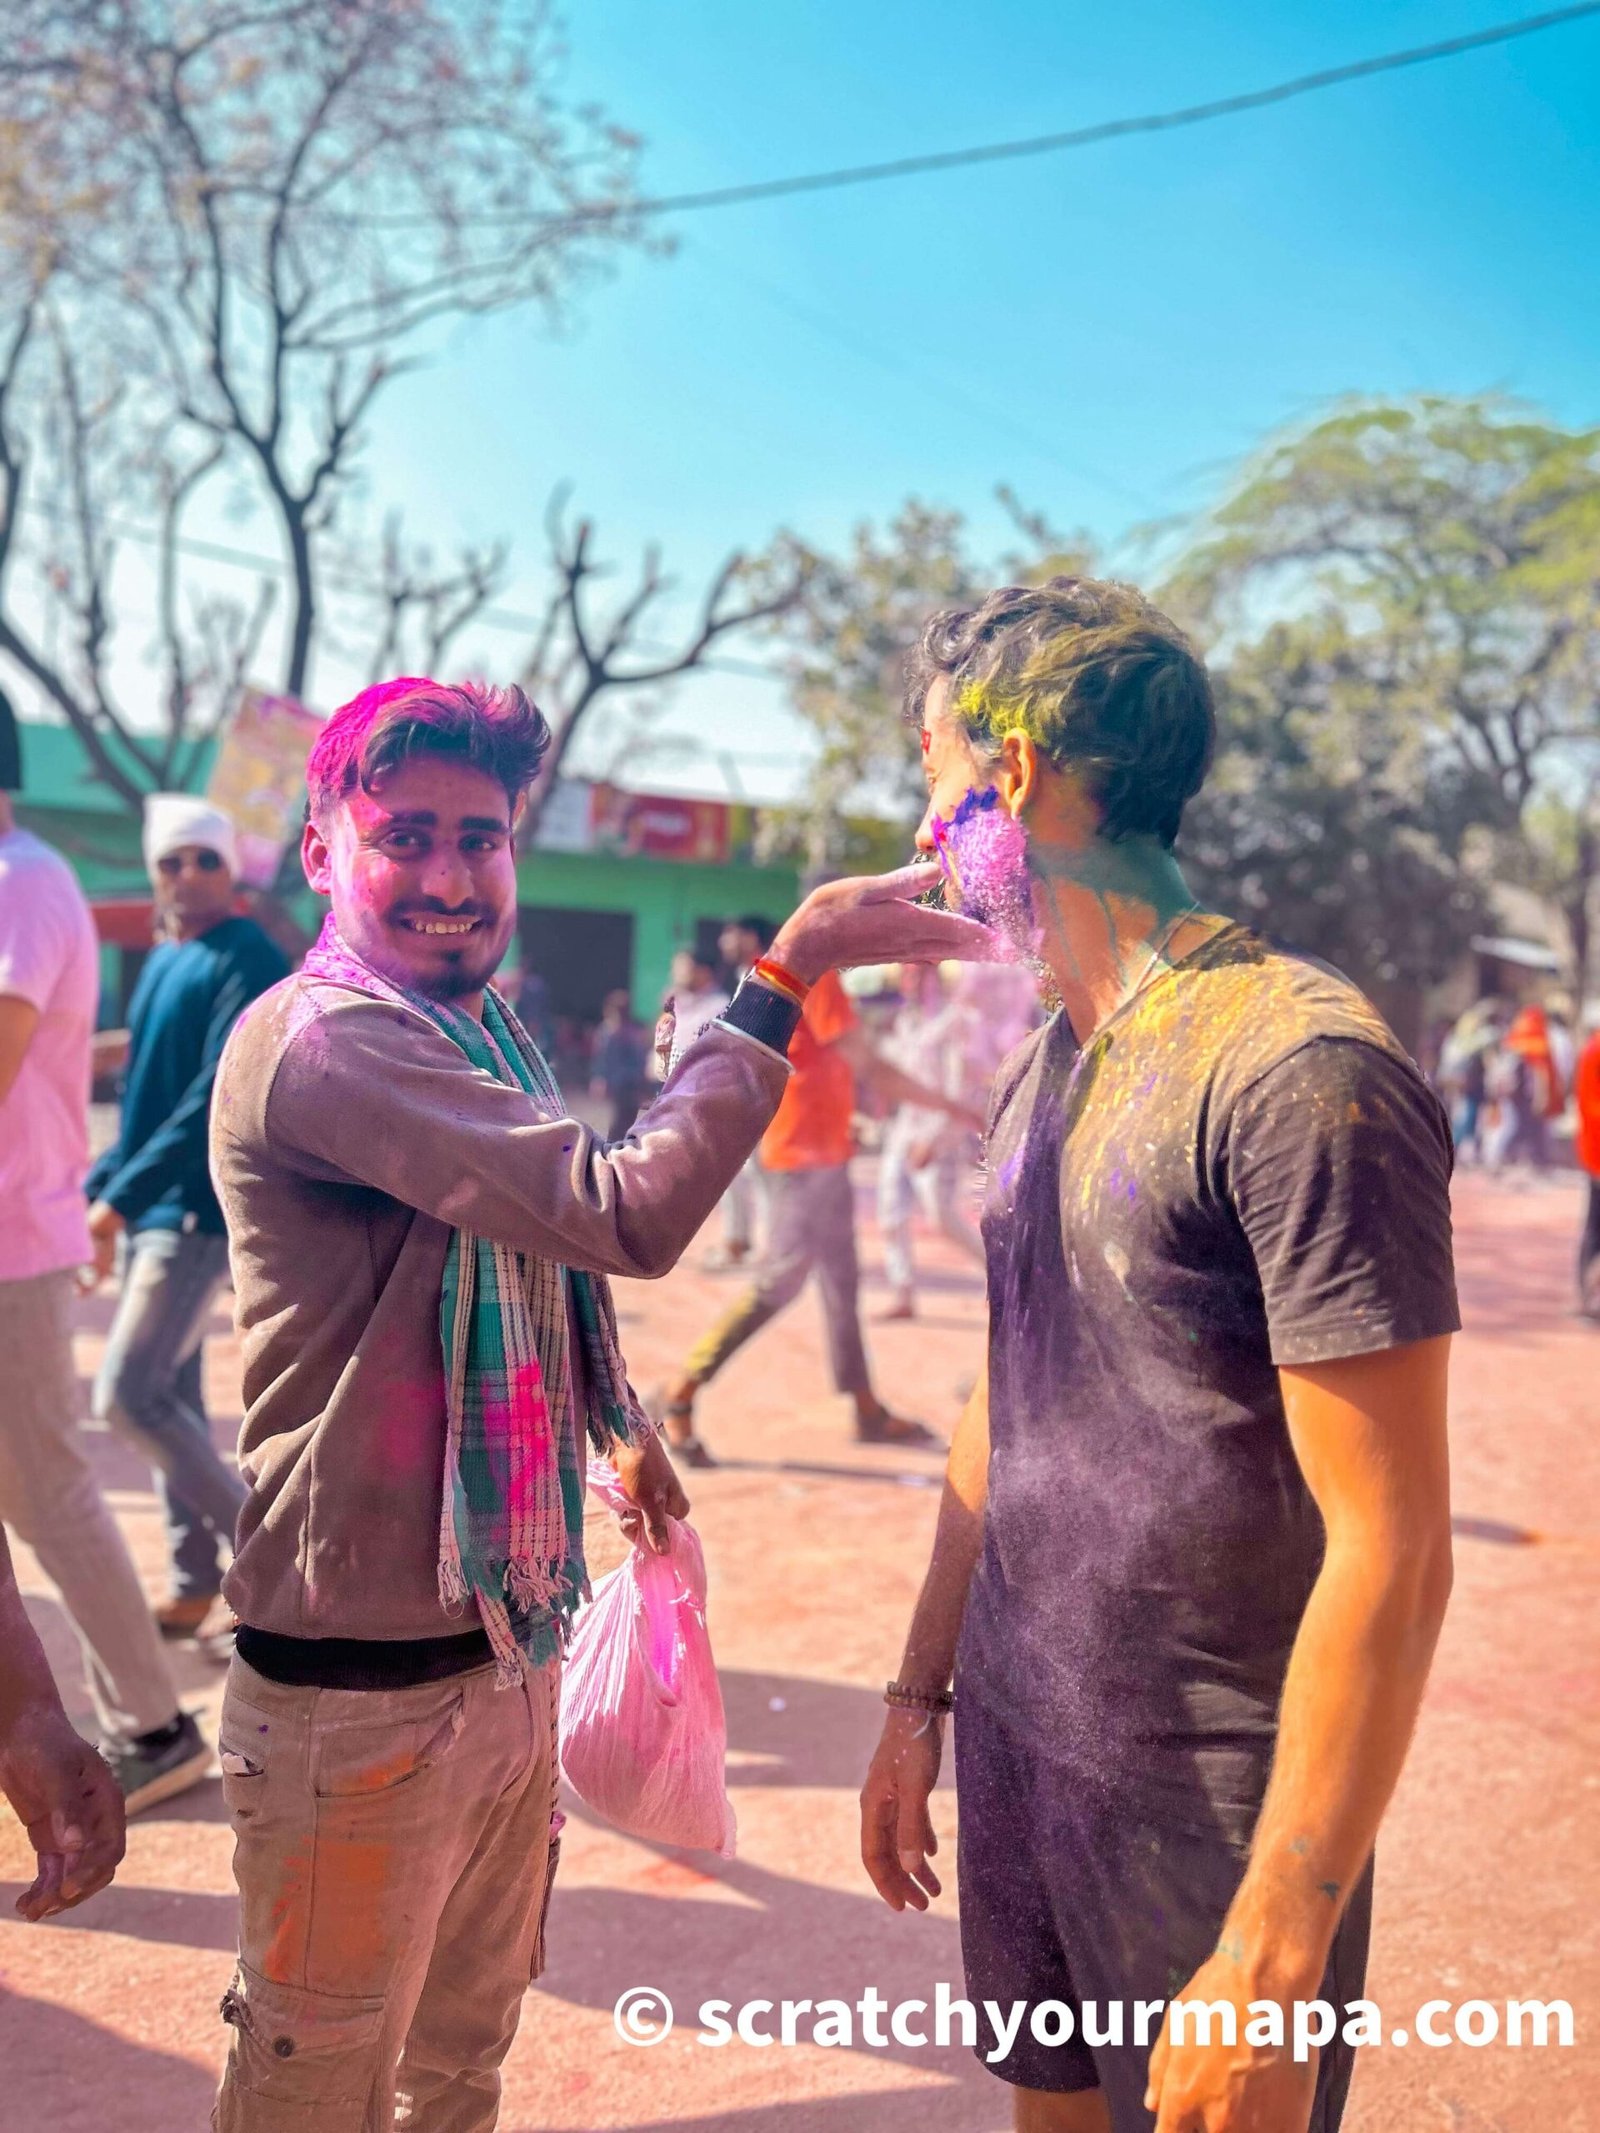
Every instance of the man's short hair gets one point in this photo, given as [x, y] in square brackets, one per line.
[10, 747]
[1098, 678]
[763, 929]
[500, 732]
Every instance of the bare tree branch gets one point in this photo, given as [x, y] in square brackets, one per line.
[256, 203]
[597, 649]
[440, 603]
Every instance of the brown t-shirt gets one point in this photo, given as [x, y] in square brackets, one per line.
[1241, 1172]
[348, 1138]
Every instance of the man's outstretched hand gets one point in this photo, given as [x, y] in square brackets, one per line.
[877, 919]
[651, 1482]
[70, 1805]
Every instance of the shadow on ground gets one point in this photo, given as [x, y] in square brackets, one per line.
[885, 2111]
[779, 1939]
[60, 2067]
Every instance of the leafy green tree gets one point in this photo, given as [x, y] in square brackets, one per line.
[1402, 608]
[1452, 546]
[1459, 540]
[846, 637]
[1557, 855]
[1332, 820]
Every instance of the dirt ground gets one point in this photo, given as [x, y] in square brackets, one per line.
[1489, 1870]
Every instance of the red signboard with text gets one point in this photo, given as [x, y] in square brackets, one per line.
[660, 826]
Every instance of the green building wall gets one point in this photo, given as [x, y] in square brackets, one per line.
[663, 897]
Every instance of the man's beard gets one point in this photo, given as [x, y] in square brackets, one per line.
[456, 984]
[984, 853]
[461, 972]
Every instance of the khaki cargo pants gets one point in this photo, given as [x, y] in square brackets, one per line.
[394, 1851]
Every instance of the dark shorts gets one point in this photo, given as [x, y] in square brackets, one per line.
[1091, 1889]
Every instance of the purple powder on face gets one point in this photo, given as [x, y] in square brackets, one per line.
[984, 853]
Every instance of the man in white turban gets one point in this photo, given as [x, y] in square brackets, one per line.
[179, 821]
[152, 1190]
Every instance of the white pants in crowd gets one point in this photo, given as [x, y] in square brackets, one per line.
[936, 1187]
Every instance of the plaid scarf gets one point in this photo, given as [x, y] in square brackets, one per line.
[511, 1518]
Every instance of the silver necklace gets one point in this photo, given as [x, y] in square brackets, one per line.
[1158, 949]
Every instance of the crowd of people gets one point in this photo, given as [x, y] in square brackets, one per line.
[1193, 1551]
[144, 1213]
[1513, 1078]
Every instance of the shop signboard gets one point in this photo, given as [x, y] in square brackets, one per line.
[648, 825]
[259, 778]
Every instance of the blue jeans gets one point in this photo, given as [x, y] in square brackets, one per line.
[149, 1388]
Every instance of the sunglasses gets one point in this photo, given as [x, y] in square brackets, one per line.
[172, 864]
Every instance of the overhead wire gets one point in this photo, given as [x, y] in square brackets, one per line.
[1039, 144]
[834, 179]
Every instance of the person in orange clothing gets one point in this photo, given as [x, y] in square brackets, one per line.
[805, 1158]
[1527, 1082]
[1586, 1090]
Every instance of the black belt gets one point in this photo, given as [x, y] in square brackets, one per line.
[360, 1662]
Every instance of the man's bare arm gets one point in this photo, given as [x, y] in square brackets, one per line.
[109, 1051]
[897, 1835]
[62, 1792]
[1370, 1437]
[930, 1653]
[869, 1065]
[19, 1019]
[1371, 1440]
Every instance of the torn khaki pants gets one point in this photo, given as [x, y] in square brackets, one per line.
[393, 1850]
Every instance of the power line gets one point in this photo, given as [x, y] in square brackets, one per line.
[1040, 144]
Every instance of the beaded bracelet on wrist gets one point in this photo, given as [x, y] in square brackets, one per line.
[900, 1698]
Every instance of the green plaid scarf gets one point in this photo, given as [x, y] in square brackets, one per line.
[511, 1518]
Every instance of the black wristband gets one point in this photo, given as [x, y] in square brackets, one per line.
[762, 1012]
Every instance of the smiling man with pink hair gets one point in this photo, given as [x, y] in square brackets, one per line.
[421, 1236]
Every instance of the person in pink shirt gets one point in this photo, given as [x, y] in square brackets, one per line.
[49, 991]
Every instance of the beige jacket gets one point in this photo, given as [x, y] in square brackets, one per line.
[348, 1138]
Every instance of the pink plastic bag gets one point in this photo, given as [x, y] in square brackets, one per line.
[643, 1736]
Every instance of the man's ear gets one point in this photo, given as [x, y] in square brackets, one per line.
[316, 859]
[1018, 772]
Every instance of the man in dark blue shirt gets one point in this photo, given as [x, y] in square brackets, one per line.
[152, 1187]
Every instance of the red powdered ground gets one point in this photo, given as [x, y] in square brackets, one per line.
[1489, 1870]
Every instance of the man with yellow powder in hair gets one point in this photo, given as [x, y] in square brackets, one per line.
[1194, 1546]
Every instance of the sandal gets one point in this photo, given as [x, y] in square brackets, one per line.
[898, 1429]
[691, 1452]
[687, 1450]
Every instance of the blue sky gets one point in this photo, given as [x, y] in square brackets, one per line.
[1108, 330]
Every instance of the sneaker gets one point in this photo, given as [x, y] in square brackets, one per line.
[158, 1765]
[214, 1638]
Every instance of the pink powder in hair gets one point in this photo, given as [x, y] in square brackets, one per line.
[341, 740]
